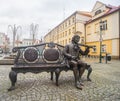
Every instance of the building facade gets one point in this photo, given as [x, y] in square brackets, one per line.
[4, 42]
[101, 25]
[29, 42]
[63, 33]
[104, 26]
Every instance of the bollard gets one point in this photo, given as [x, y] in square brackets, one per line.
[108, 57]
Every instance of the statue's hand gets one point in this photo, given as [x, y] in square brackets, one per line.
[88, 49]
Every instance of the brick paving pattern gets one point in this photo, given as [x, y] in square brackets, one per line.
[105, 85]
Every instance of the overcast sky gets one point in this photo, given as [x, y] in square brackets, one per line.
[46, 13]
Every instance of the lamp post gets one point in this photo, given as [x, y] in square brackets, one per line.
[101, 28]
[14, 32]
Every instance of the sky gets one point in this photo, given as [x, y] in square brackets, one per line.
[47, 14]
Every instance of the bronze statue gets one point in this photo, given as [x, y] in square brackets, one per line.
[72, 52]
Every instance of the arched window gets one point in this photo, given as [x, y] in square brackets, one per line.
[98, 12]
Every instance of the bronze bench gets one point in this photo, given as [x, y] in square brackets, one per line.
[38, 58]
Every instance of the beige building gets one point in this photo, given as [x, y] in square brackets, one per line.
[88, 26]
[29, 42]
[63, 33]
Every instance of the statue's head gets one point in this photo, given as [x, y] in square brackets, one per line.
[76, 38]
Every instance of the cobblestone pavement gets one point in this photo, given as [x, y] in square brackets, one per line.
[105, 85]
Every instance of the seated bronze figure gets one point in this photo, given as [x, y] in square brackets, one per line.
[72, 53]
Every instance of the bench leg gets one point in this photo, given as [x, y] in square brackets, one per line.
[13, 79]
[57, 73]
[52, 74]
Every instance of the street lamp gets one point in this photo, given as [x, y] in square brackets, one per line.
[14, 31]
[101, 28]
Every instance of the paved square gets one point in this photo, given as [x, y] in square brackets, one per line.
[105, 85]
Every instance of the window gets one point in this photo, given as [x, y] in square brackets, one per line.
[61, 35]
[98, 12]
[69, 40]
[58, 29]
[69, 31]
[65, 24]
[104, 25]
[88, 30]
[65, 33]
[66, 41]
[69, 22]
[103, 48]
[73, 29]
[96, 28]
[82, 39]
[94, 49]
[61, 27]
[73, 19]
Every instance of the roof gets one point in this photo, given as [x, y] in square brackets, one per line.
[85, 13]
[111, 10]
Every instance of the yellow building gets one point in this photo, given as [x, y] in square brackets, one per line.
[88, 26]
[109, 16]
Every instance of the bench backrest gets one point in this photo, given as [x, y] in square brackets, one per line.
[39, 54]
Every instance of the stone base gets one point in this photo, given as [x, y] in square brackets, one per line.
[6, 62]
